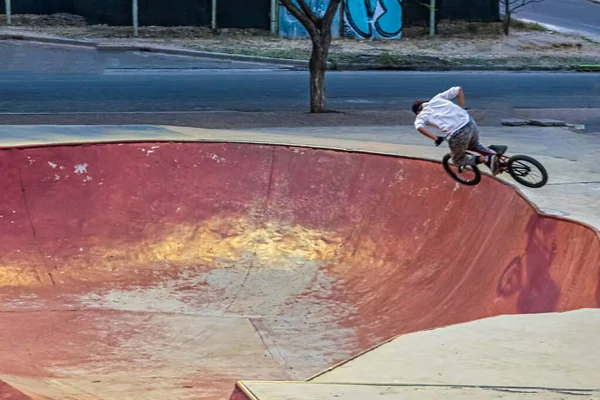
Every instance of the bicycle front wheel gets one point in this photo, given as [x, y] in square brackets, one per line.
[522, 167]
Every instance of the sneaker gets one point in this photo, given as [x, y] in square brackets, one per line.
[493, 164]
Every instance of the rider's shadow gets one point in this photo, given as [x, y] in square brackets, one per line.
[530, 275]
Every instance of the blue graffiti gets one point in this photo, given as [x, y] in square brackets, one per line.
[289, 26]
[374, 18]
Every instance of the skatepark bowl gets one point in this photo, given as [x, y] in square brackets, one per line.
[172, 270]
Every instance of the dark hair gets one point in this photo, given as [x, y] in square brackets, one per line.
[416, 107]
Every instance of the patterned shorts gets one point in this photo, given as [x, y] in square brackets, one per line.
[464, 139]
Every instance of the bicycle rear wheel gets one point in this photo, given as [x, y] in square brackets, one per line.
[519, 168]
[467, 175]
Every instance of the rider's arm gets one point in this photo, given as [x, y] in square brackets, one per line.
[420, 123]
[425, 132]
[455, 91]
[461, 98]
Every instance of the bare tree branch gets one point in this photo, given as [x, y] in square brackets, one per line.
[329, 14]
[308, 23]
[522, 4]
[510, 6]
[309, 13]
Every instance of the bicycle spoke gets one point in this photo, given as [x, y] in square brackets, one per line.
[525, 172]
[466, 175]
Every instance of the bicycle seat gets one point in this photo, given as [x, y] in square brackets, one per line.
[499, 148]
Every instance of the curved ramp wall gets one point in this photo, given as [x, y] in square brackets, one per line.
[205, 263]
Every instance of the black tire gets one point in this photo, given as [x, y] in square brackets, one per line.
[519, 172]
[450, 171]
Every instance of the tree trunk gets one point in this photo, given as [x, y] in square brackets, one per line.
[319, 29]
[506, 22]
[318, 66]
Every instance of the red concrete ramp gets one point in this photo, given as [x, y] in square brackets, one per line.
[7, 392]
[165, 270]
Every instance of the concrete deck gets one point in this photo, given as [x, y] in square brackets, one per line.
[311, 391]
[541, 356]
[551, 350]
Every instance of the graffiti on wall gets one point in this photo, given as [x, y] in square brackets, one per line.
[289, 26]
[373, 19]
[362, 19]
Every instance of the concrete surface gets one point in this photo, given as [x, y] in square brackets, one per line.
[218, 262]
[236, 120]
[541, 350]
[312, 391]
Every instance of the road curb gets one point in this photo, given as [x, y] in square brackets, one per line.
[46, 39]
[284, 61]
[466, 67]
[201, 53]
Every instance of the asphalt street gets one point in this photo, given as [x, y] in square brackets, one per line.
[581, 16]
[152, 91]
[41, 79]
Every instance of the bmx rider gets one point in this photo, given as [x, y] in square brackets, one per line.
[460, 129]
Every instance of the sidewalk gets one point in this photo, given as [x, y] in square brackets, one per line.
[12, 33]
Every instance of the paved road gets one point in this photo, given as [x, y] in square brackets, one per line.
[151, 91]
[42, 79]
[38, 78]
[581, 16]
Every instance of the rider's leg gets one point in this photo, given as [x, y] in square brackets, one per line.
[475, 144]
[490, 160]
[459, 142]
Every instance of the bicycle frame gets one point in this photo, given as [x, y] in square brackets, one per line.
[502, 158]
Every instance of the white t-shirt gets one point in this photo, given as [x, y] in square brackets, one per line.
[442, 113]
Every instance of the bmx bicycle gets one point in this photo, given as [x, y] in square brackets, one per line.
[516, 166]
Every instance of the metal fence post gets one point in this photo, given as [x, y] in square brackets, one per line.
[134, 12]
[213, 19]
[8, 12]
[432, 18]
[274, 16]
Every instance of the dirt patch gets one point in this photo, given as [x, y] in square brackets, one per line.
[42, 21]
